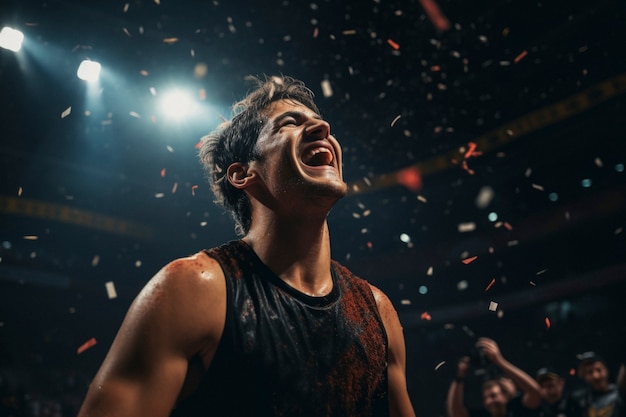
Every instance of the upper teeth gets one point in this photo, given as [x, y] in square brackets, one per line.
[315, 151]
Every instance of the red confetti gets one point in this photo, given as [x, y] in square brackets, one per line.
[435, 68]
[425, 316]
[163, 173]
[493, 281]
[411, 178]
[198, 145]
[316, 32]
[393, 44]
[193, 189]
[508, 226]
[89, 343]
[469, 260]
[547, 323]
[437, 18]
[520, 57]
[369, 245]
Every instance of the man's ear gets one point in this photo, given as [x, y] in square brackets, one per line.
[239, 176]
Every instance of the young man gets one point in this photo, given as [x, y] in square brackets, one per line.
[556, 401]
[600, 398]
[496, 395]
[267, 325]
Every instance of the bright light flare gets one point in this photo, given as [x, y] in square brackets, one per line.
[178, 104]
[11, 39]
[89, 71]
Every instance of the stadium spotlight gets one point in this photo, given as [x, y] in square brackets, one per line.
[11, 39]
[89, 70]
[178, 104]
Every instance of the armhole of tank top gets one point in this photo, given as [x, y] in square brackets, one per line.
[226, 341]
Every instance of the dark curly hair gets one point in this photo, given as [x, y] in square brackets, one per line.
[235, 140]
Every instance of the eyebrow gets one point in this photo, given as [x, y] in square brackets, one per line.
[296, 115]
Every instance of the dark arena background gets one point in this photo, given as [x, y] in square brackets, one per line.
[484, 148]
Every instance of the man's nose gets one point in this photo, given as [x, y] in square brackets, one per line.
[317, 128]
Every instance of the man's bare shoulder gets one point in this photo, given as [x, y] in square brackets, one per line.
[197, 269]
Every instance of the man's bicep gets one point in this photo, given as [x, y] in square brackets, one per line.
[175, 316]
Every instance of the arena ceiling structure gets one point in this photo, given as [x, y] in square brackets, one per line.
[483, 147]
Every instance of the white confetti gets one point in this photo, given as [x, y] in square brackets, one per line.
[66, 112]
[429, 272]
[110, 287]
[95, 260]
[484, 197]
[327, 89]
[439, 365]
[493, 306]
[538, 187]
[394, 121]
[467, 227]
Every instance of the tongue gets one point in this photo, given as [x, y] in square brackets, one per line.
[320, 159]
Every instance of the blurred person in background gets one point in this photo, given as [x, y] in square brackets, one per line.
[557, 401]
[497, 398]
[599, 397]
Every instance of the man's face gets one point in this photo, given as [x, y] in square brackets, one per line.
[298, 156]
[552, 389]
[595, 375]
[494, 400]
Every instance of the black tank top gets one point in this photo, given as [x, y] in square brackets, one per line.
[284, 353]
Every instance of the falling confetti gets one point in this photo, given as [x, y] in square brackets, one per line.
[425, 316]
[547, 323]
[66, 112]
[411, 178]
[493, 281]
[466, 227]
[438, 19]
[163, 173]
[493, 306]
[393, 44]
[439, 365]
[88, 344]
[327, 89]
[193, 189]
[394, 121]
[110, 287]
[467, 261]
[520, 56]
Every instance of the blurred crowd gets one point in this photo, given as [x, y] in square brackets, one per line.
[509, 391]
[589, 389]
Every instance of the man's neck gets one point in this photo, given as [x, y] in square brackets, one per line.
[297, 251]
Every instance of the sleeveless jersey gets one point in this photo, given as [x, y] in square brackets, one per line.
[286, 354]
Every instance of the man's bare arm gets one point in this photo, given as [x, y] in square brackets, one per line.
[399, 401]
[179, 313]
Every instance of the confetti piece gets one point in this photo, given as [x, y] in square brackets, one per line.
[126, 6]
[193, 189]
[163, 173]
[174, 187]
[19, 192]
[393, 122]
[66, 112]
[422, 198]
[547, 323]
[316, 32]
[439, 365]
[493, 281]
[520, 56]
[437, 18]
[135, 115]
[411, 178]
[429, 272]
[327, 89]
[466, 227]
[126, 32]
[543, 271]
[110, 287]
[405, 302]
[170, 41]
[88, 344]
[532, 283]
[467, 261]
[31, 237]
[393, 44]
[537, 187]
[425, 316]
[349, 32]
[493, 306]
[95, 260]
[159, 195]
